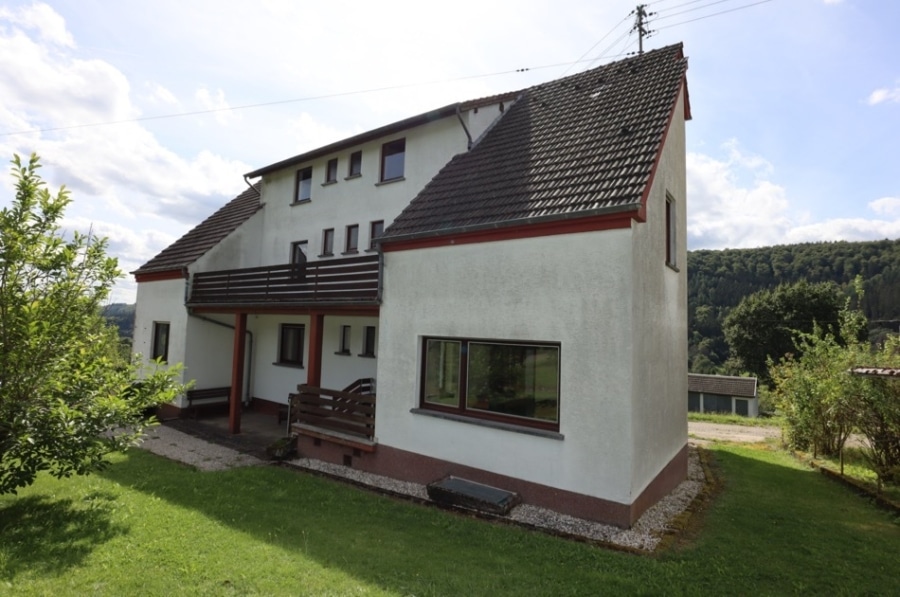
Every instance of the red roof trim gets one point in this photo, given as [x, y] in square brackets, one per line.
[172, 274]
[642, 217]
[571, 226]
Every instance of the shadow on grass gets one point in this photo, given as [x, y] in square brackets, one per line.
[50, 535]
[775, 528]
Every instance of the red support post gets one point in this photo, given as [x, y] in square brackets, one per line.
[316, 335]
[237, 373]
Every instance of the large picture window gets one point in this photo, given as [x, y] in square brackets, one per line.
[514, 381]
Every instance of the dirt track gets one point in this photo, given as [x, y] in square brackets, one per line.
[699, 431]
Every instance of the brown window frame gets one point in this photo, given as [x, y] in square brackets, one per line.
[671, 231]
[351, 233]
[354, 167]
[369, 343]
[331, 171]
[373, 233]
[346, 335]
[388, 151]
[461, 408]
[159, 348]
[327, 242]
[303, 182]
[283, 358]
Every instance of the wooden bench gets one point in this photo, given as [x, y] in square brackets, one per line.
[206, 397]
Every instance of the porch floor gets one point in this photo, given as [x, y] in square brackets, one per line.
[258, 431]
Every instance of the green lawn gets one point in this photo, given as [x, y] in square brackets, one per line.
[736, 420]
[148, 526]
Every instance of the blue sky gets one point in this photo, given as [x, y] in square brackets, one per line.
[796, 103]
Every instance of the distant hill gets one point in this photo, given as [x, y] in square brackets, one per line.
[718, 280]
[122, 316]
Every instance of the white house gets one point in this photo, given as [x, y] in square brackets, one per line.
[523, 310]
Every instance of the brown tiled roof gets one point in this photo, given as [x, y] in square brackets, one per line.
[205, 235]
[722, 384]
[581, 145]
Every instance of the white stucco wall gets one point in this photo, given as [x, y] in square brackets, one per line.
[160, 301]
[573, 289]
[209, 350]
[660, 319]
[359, 200]
[339, 371]
[241, 248]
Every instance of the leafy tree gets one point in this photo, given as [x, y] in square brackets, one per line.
[764, 325]
[67, 396]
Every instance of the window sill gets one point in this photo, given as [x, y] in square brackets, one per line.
[343, 353]
[672, 267]
[301, 202]
[325, 255]
[488, 423]
[371, 250]
[367, 356]
[352, 176]
[391, 180]
[328, 183]
[289, 365]
[351, 252]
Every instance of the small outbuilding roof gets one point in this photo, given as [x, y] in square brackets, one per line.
[205, 235]
[724, 385]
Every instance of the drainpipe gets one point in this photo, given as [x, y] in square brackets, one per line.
[249, 352]
[465, 128]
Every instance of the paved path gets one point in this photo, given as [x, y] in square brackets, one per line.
[701, 432]
[206, 456]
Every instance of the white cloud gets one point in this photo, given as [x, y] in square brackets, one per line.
[889, 206]
[48, 24]
[161, 95]
[723, 212]
[884, 95]
[215, 102]
[735, 204]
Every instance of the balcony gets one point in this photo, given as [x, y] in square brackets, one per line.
[346, 282]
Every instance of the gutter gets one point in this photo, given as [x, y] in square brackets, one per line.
[465, 128]
[616, 209]
[249, 352]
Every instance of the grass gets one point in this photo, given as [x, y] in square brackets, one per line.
[857, 469]
[152, 527]
[736, 420]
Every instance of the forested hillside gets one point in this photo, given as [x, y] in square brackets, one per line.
[121, 315]
[718, 280]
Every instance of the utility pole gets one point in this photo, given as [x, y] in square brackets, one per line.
[640, 20]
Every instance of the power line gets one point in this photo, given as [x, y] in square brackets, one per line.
[696, 8]
[676, 6]
[591, 49]
[715, 14]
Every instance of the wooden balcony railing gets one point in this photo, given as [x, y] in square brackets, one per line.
[352, 280]
[335, 410]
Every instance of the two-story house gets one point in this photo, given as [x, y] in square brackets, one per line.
[510, 271]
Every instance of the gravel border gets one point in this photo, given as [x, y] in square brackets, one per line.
[644, 536]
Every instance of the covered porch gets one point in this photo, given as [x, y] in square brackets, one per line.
[307, 301]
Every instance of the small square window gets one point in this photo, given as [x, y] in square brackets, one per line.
[160, 348]
[328, 241]
[290, 349]
[368, 347]
[355, 168]
[303, 190]
[331, 170]
[351, 243]
[344, 340]
[375, 230]
[393, 155]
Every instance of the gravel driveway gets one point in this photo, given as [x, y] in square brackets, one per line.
[704, 432]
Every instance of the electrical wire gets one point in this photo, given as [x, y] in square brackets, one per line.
[715, 14]
[581, 60]
[696, 8]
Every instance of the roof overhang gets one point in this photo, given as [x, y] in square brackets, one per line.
[602, 219]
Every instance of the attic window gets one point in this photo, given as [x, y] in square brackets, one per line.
[393, 156]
